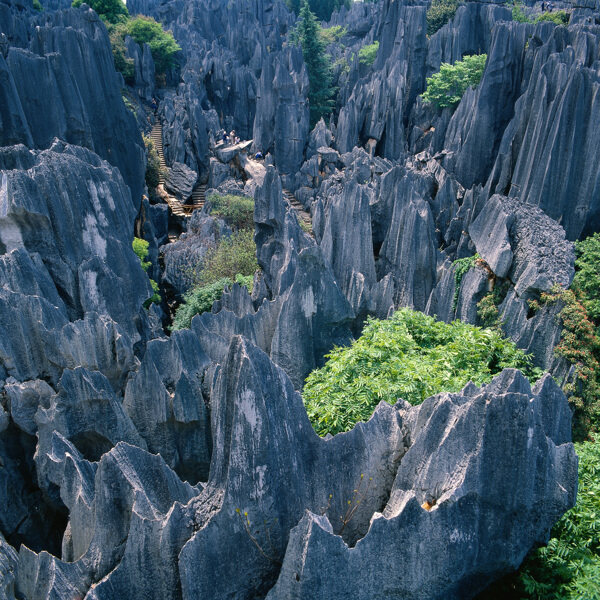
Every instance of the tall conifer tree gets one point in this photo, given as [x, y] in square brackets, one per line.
[320, 95]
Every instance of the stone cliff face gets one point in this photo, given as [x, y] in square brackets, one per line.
[59, 81]
[135, 462]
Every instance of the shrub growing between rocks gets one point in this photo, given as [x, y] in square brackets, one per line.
[140, 247]
[201, 298]
[368, 54]
[153, 168]
[439, 13]
[410, 356]
[112, 11]
[236, 211]
[447, 87]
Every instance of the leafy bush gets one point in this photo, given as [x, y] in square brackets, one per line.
[587, 276]
[439, 13]
[37, 5]
[568, 568]
[410, 356]
[559, 17]
[237, 211]
[447, 87]
[112, 11]
[518, 14]
[234, 255]
[332, 34]
[153, 168]
[367, 54]
[145, 30]
[201, 298]
[140, 247]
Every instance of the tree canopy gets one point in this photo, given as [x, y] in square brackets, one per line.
[410, 356]
[112, 11]
[318, 64]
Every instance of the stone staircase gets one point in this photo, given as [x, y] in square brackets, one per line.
[177, 208]
[198, 199]
[303, 216]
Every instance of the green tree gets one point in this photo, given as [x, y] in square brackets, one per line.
[447, 87]
[112, 11]
[320, 95]
[153, 168]
[439, 13]
[145, 30]
[368, 54]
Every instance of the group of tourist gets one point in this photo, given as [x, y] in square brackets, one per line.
[232, 138]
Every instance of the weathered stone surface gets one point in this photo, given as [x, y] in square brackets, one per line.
[8, 568]
[61, 83]
[108, 502]
[84, 245]
[183, 258]
[465, 489]
[144, 68]
[165, 401]
[180, 181]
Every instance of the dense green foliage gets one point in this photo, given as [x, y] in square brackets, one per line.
[233, 256]
[318, 64]
[461, 267]
[587, 276]
[568, 568]
[518, 14]
[123, 64]
[110, 10]
[447, 87]
[558, 17]
[323, 9]
[410, 356]
[332, 34]
[145, 30]
[140, 247]
[439, 13]
[368, 54]
[37, 5]
[201, 298]
[237, 211]
[153, 168]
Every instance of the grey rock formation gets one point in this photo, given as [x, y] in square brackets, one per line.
[303, 312]
[183, 258]
[61, 64]
[144, 75]
[426, 500]
[165, 401]
[8, 568]
[180, 181]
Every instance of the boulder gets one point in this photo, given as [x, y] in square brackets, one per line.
[180, 181]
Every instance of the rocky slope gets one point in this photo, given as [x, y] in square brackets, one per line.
[135, 462]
